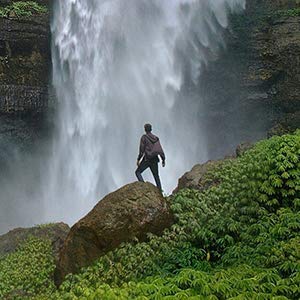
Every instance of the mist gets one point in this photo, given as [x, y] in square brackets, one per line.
[116, 66]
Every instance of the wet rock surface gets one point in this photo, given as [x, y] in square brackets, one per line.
[130, 212]
[26, 104]
[253, 86]
[25, 63]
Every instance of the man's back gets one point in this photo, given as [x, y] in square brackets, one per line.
[151, 147]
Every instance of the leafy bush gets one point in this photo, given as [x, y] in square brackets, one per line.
[29, 270]
[237, 240]
[23, 9]
[241, 282]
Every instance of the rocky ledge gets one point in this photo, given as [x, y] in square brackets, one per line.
[130, 212]
[55, 232]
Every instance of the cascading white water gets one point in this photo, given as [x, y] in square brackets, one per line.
[117, 65]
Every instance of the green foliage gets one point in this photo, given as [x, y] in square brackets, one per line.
[294, 12]
[237, 240]
[29, 269]
[254, 188]
[23, 9]
[241, 282]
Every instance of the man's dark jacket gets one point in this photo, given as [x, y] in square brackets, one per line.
[146, 144]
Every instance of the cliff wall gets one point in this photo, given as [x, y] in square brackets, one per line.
[253, 87]
[275, 41]
[24, 59]
[25, 67]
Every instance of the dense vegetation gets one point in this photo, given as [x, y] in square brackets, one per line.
[22, 9]
[27, 271]
[239, 239]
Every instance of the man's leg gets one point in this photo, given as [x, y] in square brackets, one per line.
[141, 168]
[154, 170]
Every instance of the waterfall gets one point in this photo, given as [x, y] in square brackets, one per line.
[117, 65]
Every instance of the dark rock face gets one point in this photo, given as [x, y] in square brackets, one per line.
[273, 3]
[254, 84]
[56, 233]
[278, 49]
[23, 98]
[25, 104]
[196, 179]
[5, 2]
[24, 63]
[132, 211]
[20, 134]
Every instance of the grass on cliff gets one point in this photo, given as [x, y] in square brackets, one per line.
[23, 9]
[237, 240]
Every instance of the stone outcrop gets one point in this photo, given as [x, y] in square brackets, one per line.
[56, 233]
[253, 86]
[130, 212]
[196, 177]
[242, 148]
[25, 63]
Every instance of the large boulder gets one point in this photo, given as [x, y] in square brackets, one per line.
[56, 233]
[130, 212]
[196, 177]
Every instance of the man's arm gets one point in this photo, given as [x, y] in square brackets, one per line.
[142, 149]
[163, 157]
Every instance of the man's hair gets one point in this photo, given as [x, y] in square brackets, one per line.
[148, 127]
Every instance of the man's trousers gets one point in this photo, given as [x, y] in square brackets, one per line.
[153, 165]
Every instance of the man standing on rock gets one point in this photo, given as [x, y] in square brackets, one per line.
[150, 149]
